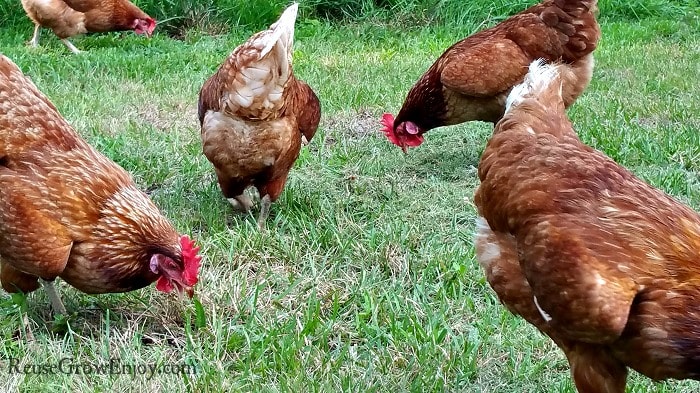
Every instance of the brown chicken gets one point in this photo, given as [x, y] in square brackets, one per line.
[255, 114]
[68, 211]
[68, 18]
[471, 80]
[603, 263]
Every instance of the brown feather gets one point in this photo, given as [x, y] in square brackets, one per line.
[68, 18]
[253, 112]
[603, 263]
[472, 78]
[66, 210]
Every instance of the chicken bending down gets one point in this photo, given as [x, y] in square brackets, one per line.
[254, 115]
[68, 211]
[603, 263]
[68, 18]
[471, 79]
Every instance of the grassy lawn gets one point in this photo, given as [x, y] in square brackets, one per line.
[366, 280]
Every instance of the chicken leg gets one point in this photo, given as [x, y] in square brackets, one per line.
[56, 302]
[594, 369]
[70, 46]
[34, 42]
[28, 333]
[265, 204]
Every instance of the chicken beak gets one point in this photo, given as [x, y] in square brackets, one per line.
[190, 292]
[404, 149]
[304, 141]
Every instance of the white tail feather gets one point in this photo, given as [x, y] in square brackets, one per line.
[282, 30]
[260, 84]
[539, 76]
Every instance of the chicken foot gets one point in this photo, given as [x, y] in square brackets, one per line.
[265, 204]
[56, 302]
[241, 202]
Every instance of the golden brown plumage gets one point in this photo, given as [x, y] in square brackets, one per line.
[68, 18]
[603, 263]
[472, 78]
[254, 114]
[68, 211]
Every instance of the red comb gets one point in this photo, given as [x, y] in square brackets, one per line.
[388, 121]
[388, 129]
[191, 260]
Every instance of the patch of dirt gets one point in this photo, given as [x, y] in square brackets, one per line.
[662, 121]
[189, 25]
[175, 116]
[355, 125]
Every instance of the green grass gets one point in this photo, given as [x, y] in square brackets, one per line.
[366, 280]
[176, 17]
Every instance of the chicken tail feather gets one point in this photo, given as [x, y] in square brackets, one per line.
[282, 31]
[256, 74]
[541, 77]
